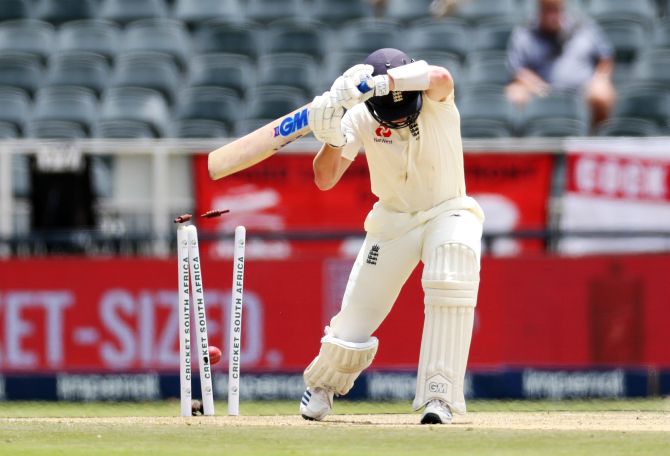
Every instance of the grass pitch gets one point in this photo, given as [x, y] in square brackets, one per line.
[274, 428]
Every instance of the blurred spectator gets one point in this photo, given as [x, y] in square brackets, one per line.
[442, 8]
[559, 51]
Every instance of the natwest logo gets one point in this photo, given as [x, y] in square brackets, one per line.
[382, 133]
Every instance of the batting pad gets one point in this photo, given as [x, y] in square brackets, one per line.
[339, 363]
[450, 282]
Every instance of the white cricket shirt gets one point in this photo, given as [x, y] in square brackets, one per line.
[410, 173]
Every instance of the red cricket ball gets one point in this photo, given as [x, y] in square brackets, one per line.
[214, 354]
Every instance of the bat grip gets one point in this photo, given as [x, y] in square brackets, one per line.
[366, 85]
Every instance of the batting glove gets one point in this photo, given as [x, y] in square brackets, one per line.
[357, 85]
[325, 120]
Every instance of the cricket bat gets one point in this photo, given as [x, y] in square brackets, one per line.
[263, 142]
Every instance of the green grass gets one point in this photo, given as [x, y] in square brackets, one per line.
[34, 435]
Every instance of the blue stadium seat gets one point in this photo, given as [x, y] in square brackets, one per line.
[15, 106]
[335, 12]
[136, 104]
[485, 128]
[369, 34]
[556, 127]
[8, 130]
[271, 102]
[14, 9]
[20, 70]
[28, 35]
[265, 11]
[75, 68]
[475, 11]
[193, 12]
[125, 129]
[152, 70]
[448, 35]
[55, 129]
[125, 11]
[645, 101]
[627, 126]
[299, 36]
[209, 103]
[408, 11]
[59, 11]
[294, 70]
[158, 35]
[198, 128]
[642, 11]
[233, 37]
[98, 36]
[71, 104]
[233, 71]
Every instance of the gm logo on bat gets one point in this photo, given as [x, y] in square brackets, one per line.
[290, 124]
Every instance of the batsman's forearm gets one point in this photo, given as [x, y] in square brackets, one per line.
[328, 167]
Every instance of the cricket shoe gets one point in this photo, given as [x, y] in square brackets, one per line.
[436, 412]
[316, 403]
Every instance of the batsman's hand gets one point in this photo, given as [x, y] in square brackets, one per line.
[325, 120]
[357, 85]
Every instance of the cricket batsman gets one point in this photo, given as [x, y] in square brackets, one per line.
[409, 127]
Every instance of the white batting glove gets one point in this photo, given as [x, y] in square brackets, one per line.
[357, 85]
[325, 120]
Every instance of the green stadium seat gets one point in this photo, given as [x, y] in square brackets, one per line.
[629, 126]
[642, 11]
[125, 129]
[20, 70]
[628, 39]
[71, 104]
[644, 101]
[75, 68]
[662, 34]
[369, 34]
[59, 11]
[125, 11]
[271, 102]
[15, 106]
[475, 11]
[233, 37]
[492, 35]
[244, 126]
[209, 103]
[136, 104]
[556, 105]
[556, 127]
[294, 70]
[93, 35]
[8, 130]
[198, 128]
[448, 35]
[302, 36]
[14, 9]
[487, 106]
[444, 59]
[233, 71]
[487, 67]
[407, 11]
[485, 128]
[337, 63]
[55, 129]
[152, 70]
[265, 11]
[653, 67]
[29, 36]
[193, 12]
[335, 12]
[167, 36]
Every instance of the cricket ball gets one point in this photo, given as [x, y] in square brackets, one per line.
[214, 354]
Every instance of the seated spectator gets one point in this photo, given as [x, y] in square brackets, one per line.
[561, 52]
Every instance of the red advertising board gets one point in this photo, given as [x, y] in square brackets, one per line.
[121, 314]
[279, 195]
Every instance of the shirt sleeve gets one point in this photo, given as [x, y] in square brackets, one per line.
[602, 47]
[354, 143]
[516, 52]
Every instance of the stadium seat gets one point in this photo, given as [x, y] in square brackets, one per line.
[335, 12]
[487, 106]
[444, 59]
[644, 101]
[487, 67]
[475, 11]
[198, 128]
[14, 9]
[234, 37]
[98, 36]
[575, 7]
[233, 71]
[662, 33]
[158, 35]
[8, 130]
[627, 38]
[265, 11]
[59, 11]
[556, 105]
[485, 128]
[137, 104]
[28, 35]
[209, 103]
[653, 67]
[492, 35]
[74, 68]
[152, 70]
[125, 11]
[294, 70]
[20, 70]
[244, 126]
[299, 36]
[71, 104]
[193, 12]
[407, 11]
[15, 106]
[448, 35]
[368, 34]
[121, 129]
[627, 126]
[336, 63]
[642, 11]
[271, 102]
[55, 129]
[556, 127]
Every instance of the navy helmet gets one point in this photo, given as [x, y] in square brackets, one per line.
[396, 109]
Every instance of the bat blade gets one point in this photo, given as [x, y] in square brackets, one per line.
[258, 145]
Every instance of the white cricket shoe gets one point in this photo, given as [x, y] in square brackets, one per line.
[436, 412]
[316, 403]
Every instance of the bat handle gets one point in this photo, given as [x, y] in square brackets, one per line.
[366, 85]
